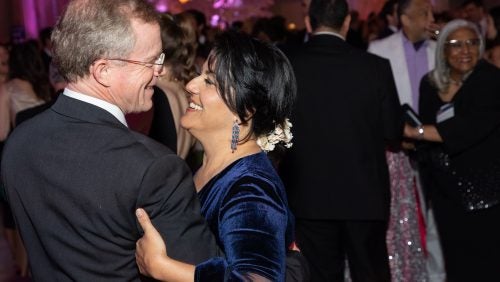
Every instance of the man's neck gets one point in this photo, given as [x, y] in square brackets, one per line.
[324, 30]
[412, 38]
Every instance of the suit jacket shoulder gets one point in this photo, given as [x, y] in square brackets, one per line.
[81, 183]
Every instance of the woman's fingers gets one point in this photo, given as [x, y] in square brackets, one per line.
[144, 221]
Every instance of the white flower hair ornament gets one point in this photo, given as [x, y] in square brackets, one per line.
[281, 133]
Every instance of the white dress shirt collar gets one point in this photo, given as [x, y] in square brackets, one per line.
[112, 109]
[330, 33]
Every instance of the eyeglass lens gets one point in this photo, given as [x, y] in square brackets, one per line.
[459, 44]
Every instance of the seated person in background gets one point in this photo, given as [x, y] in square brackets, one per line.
[238, 110]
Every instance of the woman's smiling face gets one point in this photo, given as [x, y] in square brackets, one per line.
[462, 51]
[207, 113]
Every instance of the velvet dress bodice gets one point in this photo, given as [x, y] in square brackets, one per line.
[246, 208]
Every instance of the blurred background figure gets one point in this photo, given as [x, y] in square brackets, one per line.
[170, 100]
[460, 109]
[355, 34]
[4, 99]
[389, 18]
[4, 63]
[493, 53]
[46, 46]
[474, 11]
[411, 52]
[27, 87]
[203, 37]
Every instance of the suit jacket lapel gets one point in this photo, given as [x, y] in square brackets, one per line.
[400, 69]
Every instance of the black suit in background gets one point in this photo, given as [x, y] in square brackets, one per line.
[84, 174]
[336, 173]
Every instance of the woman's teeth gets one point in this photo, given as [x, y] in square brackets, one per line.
[195, 106]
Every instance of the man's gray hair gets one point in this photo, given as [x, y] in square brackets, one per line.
[90, 30]
[440, 76]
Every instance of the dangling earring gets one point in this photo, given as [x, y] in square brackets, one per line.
[235, 136]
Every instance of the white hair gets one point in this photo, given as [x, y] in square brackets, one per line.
[440, 75]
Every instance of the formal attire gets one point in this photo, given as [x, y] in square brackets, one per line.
[74, 176]
[246, 208]
[465, 173]
[393, 49]
[406, 243]
[336, 173]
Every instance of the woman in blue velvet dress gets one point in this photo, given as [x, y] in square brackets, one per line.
[238, 110]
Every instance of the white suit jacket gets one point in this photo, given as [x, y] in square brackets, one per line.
[392, 49]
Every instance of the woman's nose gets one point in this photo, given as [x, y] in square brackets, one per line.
[191, 86]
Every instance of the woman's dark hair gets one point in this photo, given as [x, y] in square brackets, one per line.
[254, 79]
[26, 63]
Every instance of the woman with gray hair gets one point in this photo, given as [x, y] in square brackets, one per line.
[460, 111]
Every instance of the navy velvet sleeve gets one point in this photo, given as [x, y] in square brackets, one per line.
[247, 210]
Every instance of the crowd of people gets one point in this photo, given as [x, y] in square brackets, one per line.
[141, 144]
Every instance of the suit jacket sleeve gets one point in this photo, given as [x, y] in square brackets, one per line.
[168, 195]
[392, 113]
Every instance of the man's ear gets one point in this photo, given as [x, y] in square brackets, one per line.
[405, 20]
[101, 72]
[307, 22]
[345, 26]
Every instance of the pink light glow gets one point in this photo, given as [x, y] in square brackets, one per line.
[214, 21]
[218, 4]
[31, 24]
[162, 7]
[227, 4]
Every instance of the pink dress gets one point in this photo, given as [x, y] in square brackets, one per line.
[405, 234]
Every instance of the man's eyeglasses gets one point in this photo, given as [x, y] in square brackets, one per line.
[157, 65]
[456, 45]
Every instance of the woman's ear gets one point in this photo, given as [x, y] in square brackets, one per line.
[101, 72]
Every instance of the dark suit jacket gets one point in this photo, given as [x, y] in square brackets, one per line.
[347, 111]
[74, 177]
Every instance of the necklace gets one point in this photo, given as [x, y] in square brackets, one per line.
[456, 82]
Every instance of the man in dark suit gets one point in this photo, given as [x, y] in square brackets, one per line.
[75, 174]
[336, 173]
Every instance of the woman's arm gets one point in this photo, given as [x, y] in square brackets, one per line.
[253, 221]
[151, 255]
[425, 132]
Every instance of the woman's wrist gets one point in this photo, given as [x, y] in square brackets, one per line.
[419, 132]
